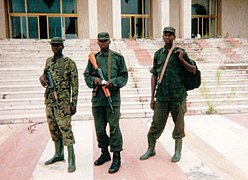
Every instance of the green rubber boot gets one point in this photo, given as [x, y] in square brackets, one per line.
[59, 153]
[178, 148]
[150, 152]
[71, 159]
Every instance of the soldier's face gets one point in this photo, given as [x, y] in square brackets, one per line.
[103, 44]
[57, 49]
[168, 37]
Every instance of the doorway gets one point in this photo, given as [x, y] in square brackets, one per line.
[43, 27]
[135, 18]
[205, 18]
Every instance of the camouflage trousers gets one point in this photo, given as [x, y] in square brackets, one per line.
[160, 116]
[102, 116]
[59, 125]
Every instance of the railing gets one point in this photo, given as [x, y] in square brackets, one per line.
[134, 24]
[206, 25]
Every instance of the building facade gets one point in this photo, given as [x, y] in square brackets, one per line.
[44, 19]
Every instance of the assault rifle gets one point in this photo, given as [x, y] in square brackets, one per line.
[51, 88]
[92, 59]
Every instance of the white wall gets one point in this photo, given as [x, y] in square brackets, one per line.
[234, 18]
[104, 16]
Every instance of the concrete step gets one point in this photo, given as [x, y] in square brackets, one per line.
[197, 94]
[125, 114]
[219, 101]
[30, 118]
[229, 88]
[234, 81]
[82, 107]
[129, 110]
[142, 92]
[220, 109]
[26, 81]
[81, 100]
[36, 86]
[128, 102]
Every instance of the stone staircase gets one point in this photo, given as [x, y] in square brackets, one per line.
[22, 62]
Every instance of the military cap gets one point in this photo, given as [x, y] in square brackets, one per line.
[103, 36]
[56, 40]
[170, 29]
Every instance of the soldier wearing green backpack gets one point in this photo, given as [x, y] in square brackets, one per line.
[168, 93]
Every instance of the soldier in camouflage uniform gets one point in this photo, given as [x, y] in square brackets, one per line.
[115, 73]
[170, 94]
[60, 108]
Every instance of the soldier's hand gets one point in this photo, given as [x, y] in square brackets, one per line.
[43, 81]
[97, 81]
[180, 54]
[109, 85]
[73, 110]
[152, 104]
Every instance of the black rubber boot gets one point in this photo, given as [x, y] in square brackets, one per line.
[71, 159]
[105, 156]
[178, 148]
[115, 166]
[59, 153]
[149, 153]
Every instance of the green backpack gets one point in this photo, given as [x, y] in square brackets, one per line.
[192, 81]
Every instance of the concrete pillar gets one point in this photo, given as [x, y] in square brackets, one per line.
[2, 20]
[93, 28]
[185, 19]
[165, 13]
[116, 9]
[83, 19]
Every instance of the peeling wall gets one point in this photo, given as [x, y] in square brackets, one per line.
[234, 18]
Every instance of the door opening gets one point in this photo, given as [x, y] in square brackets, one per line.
[43, 27]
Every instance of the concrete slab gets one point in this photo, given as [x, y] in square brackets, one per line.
[83, 152]
[215, 148]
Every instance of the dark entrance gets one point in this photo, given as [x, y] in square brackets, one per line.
[135, 18]
[205, 18]
[43, 27]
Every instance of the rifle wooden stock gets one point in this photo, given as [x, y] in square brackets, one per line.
[92, 59]
[106, 91]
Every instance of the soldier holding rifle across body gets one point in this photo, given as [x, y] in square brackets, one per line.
[106, 73]
[60, 78]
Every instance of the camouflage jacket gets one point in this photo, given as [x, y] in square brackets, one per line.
[65, 78]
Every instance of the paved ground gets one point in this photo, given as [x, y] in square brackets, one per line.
[215, 147]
